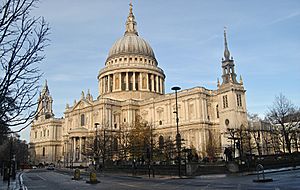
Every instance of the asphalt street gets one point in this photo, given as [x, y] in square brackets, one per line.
[55, 180]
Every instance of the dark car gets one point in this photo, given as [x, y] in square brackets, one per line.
[50, 167]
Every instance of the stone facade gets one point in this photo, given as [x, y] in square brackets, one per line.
[131, 84]
[45, 133]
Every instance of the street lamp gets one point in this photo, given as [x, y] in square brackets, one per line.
[96, 145]
[178, 136]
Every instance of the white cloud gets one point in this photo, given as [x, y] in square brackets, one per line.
[284, 18]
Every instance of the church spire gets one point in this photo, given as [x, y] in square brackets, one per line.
[45, 104]
[229, 75]
[130, 23]
[45, 88]
[226, 51]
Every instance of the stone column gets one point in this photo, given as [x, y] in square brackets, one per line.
[141, 81]
[100, 90]
[108, 83]
[147, 77]
[120, 81]
[100, 86]
[74, 148]
[127, 82]
[161, 85]
[109, 117]
[80, 148]
[103, 85]
[197, 108]
[133, 75]
[152, 82]
[202, 109]
[157, 82]
[114, 83]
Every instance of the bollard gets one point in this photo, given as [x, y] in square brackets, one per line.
[76, 174]
[93, 178]
[259, 168]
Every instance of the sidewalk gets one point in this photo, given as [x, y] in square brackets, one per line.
[120, 174]
[14, 184]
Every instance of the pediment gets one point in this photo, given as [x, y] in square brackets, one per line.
[81, 104]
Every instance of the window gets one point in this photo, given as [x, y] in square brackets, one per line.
[35, 134]
[239, 100]
[135, 59]
[217, 110]
[82, 120]
[44, 151]
[191, 111]
[160, 122]
[44, 132]
[48, 133]
[225, 102]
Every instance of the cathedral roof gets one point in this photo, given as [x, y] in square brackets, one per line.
[131, 43]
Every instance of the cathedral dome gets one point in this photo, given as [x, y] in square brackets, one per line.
[131, 43]
[131, 70]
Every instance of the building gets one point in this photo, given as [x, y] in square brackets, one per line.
[132, 84]
[45, 133]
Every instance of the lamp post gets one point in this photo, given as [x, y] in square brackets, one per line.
[178, 136]
[96, 144]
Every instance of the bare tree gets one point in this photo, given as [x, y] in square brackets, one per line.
[23, 39]
[286, 116]
[212, 146]
[140, 137]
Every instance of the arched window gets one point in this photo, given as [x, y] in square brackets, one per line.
[82, 120]
[217, 110]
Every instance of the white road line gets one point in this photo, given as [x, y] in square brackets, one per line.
[21, 180]
[40, 177]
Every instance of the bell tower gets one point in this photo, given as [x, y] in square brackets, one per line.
[231, 97]
[45, 104]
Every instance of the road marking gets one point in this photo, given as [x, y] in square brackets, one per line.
[40, 177]
[37, 187]
[128, 185]
[21, 180]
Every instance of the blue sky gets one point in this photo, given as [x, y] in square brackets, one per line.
[187, 38]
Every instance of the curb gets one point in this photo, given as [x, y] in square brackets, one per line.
[268, 171]
[21, 185]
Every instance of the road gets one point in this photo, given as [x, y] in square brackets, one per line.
[54, 180]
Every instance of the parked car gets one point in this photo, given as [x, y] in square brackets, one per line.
[34, 167]
[50, 167]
